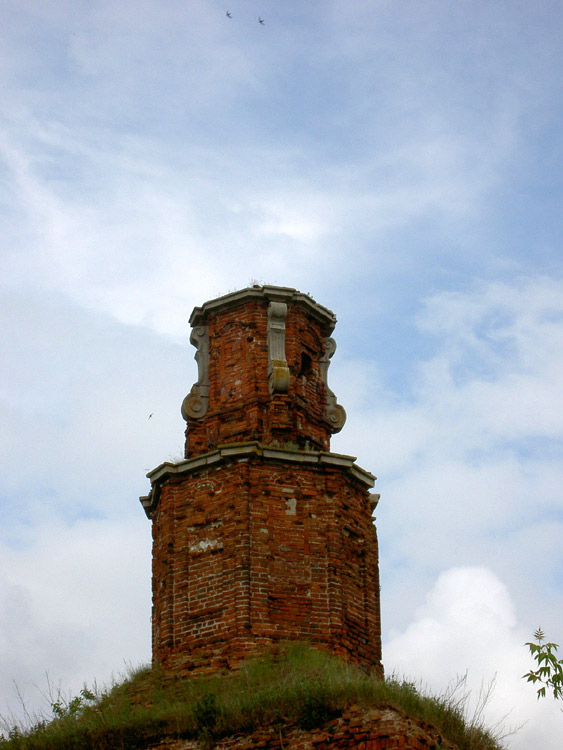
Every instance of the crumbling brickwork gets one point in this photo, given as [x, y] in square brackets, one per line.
[261, 534]
[363, 729]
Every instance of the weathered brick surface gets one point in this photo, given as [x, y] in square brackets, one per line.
[248, 549]
[254, 552]
[372, 729]
[241, 407]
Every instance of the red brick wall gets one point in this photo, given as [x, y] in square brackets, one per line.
[241, 407]
[255, 551]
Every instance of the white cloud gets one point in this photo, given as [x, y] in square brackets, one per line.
[467, 625]
[110, 213]
[138, 224]
[73, 599]
[488, 381]
[77, 390]
[467, 449]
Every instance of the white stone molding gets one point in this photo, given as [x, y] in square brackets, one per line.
[325, 317]
[335, 413]
[196, 402]
[240, 452]
[278, 371]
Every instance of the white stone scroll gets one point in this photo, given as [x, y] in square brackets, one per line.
[335, 413]
[196, 402]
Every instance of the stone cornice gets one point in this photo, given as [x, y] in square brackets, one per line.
[245, 451]
[271, 294]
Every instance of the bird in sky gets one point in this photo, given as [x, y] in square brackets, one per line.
[229, 14]
[150, 415]
[261, 20]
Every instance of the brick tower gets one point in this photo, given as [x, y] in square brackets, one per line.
[262, 534]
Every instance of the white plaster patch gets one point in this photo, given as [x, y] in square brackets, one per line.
[291, 503]
[205, 545]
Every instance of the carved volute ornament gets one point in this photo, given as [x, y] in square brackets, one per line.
[335, 413]
[196, 402]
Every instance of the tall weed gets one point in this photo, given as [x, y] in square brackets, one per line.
[290, 684]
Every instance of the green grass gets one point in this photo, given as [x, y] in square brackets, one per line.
[292, 684]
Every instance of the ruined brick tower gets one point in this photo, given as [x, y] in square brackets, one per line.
[262, 534]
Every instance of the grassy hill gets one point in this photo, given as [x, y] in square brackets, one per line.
[291, 684]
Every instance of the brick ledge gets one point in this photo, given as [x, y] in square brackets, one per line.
[244, 451]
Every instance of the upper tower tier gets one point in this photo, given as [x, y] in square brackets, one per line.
[263, 355]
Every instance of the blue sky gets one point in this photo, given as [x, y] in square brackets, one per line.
[401, 162]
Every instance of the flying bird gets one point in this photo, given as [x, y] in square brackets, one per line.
[229, 14]
[261, 20]
[150, 415]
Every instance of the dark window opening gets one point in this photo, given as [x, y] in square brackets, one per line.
[306, 365]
